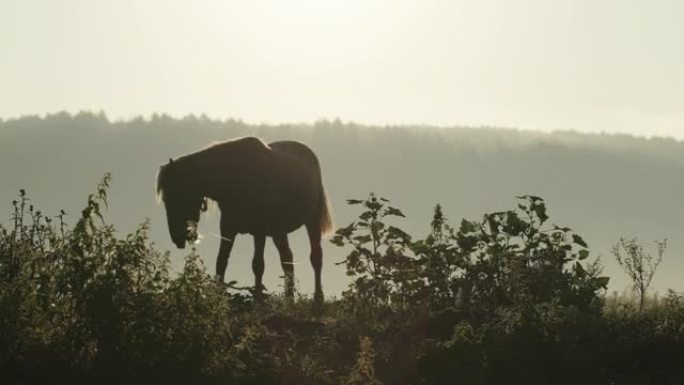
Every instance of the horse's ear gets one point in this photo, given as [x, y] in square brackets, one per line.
[170, 160]
[205, 205]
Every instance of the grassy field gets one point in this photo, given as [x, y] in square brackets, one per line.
[507, 299]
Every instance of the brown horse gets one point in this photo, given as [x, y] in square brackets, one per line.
[264, 190]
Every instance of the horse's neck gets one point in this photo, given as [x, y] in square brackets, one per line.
[206, 172]
[219, 173]
[193, 177]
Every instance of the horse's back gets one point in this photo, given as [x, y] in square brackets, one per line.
[296, 149]
[280, 186]
[247, 147]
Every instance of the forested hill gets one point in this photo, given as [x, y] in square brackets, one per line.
[602, 186]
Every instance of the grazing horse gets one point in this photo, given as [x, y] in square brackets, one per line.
[264, 190]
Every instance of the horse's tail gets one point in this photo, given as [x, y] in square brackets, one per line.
[325, 221]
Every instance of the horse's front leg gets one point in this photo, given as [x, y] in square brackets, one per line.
[258, 265]
[227, 240]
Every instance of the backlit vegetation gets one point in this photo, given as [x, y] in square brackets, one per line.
[509, 298]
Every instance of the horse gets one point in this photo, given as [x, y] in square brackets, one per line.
[266, 190]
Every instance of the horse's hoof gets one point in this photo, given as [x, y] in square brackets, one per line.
[260, 296]
[289, 295]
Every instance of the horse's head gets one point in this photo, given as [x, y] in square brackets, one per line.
[182, 202]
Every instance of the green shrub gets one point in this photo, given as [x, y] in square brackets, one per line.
[81, 304]
[506, 299]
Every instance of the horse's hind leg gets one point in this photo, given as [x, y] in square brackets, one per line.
[285, 252]
[316, 259]
[258, 265]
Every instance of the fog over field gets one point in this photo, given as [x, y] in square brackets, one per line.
[504, 113]
[602, 186]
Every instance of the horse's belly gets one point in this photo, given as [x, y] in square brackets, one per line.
[283, 222]
[268, 221]
[275, 208]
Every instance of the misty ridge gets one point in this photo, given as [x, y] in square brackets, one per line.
[602, 186]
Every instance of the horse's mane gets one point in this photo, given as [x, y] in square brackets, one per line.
[163, 176]
[162, 181]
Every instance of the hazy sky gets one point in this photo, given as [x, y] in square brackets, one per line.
[589, 65]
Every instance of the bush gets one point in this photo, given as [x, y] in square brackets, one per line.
[507, 259]
[81, 304]
[507, 299]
